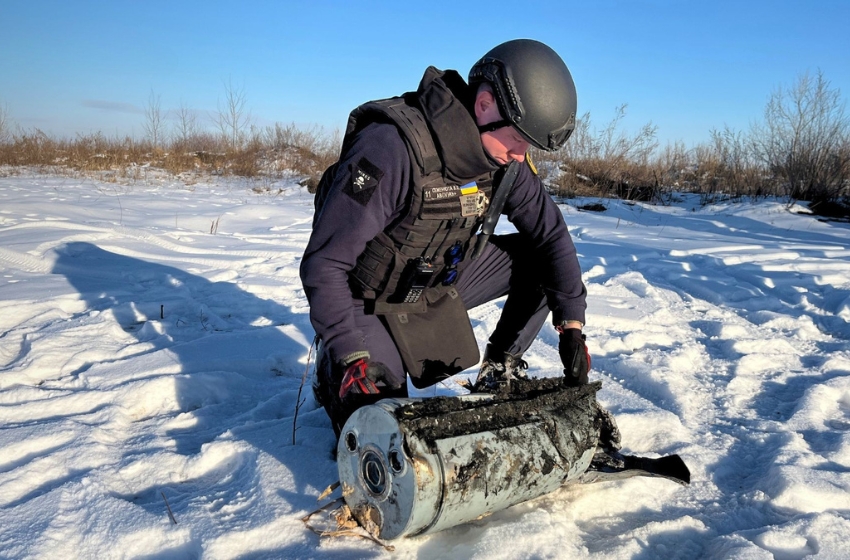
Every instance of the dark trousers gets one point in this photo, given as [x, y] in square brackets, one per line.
[505, 267]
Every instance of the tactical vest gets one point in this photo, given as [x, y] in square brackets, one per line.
[441, 221]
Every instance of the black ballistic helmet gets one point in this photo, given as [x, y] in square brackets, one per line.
[534, 90]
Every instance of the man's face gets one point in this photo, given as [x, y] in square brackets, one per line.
[503, 144]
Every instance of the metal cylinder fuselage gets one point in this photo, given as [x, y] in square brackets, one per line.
[406, 472]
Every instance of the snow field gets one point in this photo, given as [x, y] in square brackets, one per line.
[145, 360]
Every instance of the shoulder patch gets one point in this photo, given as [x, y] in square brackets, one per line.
[365, 176]
[530, 163]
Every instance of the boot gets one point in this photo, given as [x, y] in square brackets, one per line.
[497, 370]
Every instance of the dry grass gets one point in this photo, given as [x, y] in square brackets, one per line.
[800, 151]
[265, 154]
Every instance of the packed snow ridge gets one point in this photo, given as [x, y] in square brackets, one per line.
[150, 361]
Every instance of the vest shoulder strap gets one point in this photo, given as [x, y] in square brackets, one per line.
[410, 122]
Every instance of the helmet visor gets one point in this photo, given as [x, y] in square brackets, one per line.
[555, 140]
[558, 138]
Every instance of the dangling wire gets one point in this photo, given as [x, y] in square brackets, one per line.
[298, 401]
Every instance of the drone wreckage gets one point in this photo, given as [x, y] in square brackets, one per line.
[416, 466]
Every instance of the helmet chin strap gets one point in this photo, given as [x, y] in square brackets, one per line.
[490, 127]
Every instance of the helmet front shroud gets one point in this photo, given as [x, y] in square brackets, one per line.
[534, 90]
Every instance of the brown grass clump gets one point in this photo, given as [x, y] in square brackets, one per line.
[800, 150]
[263, 155]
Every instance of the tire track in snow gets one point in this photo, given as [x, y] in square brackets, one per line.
[182, 249]
[55, 224]
[26, 263]
[37, 265]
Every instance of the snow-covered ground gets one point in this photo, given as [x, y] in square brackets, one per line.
[144, 358]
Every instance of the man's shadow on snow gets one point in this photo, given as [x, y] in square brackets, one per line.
[240, 361]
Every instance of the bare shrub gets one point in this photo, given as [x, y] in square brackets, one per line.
[307, 151]
[673, 166]
[247, 161]
[803, 139]
[800, 150]
[154, 124]
[263, 154]
[605, 162]
[731, 159]
[185, 127]
[233, 118]
[739, 170]
[4, 123]
[32, 148]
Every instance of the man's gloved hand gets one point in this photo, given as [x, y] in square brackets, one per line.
[574, 356]
[362, 376]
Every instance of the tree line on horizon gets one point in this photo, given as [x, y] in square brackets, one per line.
[798, 150]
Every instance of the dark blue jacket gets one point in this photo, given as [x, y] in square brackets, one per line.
[344, 225]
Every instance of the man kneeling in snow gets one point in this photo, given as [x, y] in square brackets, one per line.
[395, 258]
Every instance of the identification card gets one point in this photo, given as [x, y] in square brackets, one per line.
[469, 205]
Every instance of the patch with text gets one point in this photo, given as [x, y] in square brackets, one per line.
[365, 176]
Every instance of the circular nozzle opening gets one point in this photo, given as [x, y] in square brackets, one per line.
[351, 442]
[373, 472]
[396, 461]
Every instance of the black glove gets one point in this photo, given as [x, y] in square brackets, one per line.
[362, 376]
[574, 356]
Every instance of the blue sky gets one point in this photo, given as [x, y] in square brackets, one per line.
[82, 66]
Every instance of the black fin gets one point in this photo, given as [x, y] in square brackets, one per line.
[615, 466]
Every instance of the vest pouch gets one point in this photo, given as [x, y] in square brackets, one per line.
[436, 344]
[374, 267]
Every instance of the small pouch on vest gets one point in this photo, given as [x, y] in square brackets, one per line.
[436, 344]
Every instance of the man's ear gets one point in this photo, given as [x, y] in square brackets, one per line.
[484, 102]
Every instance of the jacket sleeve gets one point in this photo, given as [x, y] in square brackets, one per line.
[367, 194]
[530, 208]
